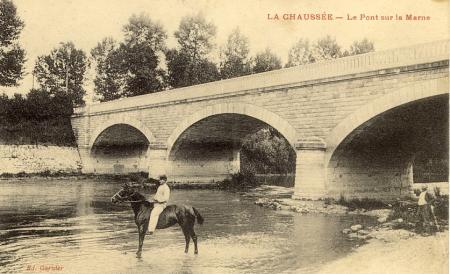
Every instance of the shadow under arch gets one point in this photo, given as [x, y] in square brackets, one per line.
[122, 121]
[206, 146]
[371, 153]
[259, 113]
[390, 101]
[120, 146]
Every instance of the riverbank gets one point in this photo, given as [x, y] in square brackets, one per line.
[391, 245]
[395, 251]
[20, 159]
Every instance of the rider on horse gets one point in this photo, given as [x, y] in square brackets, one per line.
[160, 202]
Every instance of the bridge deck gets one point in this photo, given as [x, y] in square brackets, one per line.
[358, 64]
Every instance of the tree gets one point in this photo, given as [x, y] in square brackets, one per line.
[38, 105]
[4, 106]
[267, 151]
[235, 61]
[266, 61]
[142, 30]
[195, 35]
[131, 68]
[109, 79]
[360, 47]
[12, 56]
[325, 48]
[62, 72]
[138, 55]
[189, 64]
[139, 65]
[184, 72]
[299, 53]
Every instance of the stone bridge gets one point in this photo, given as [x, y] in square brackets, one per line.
[360, 125]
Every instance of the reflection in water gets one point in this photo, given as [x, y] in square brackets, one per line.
[73, 225]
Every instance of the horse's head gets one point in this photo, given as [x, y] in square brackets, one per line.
[123, 195]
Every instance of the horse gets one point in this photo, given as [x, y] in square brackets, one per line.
[183, 215]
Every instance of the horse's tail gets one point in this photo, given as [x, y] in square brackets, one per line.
[198, 216]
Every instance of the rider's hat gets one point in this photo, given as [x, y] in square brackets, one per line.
[163, 177]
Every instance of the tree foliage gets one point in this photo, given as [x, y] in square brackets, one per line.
[183, 71]
[189, 64]
[38, 118]
[299, 53]
[12, 56]
[360, 47]
[195, 36]
[325, 48]
[142, 30]
[139, 66]
[109, 79]
[266, 61]
[131, 68]
[234, 57]
[267, 152]
[62, 72]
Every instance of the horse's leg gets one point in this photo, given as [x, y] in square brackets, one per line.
[145, 227]
[141, 240]
[194, 238]
[187, 238]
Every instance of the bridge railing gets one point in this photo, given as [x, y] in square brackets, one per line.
[400, 57]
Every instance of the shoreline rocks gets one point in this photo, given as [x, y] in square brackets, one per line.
[355, 228]
[303, 207]
[384, 230]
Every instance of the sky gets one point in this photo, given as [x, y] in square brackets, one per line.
[86, 22]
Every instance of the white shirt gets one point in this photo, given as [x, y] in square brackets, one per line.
[162, 194]
[422, 198]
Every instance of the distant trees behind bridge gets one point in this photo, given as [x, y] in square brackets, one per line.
[142, 63]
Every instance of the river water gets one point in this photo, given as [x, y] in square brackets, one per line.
[70, 226]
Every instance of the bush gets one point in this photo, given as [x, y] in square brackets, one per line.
[7, 175]
[21, 174]
[408, 211]
[46, 173]
[365, 203]
[239, 181]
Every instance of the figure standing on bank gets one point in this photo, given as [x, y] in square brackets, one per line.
[425, 209]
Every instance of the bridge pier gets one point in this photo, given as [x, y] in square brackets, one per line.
[310, 170]
[157, 160]
[235, 165]
[86, 159]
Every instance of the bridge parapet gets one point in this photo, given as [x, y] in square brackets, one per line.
[380, 60]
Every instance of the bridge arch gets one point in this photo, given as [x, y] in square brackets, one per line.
[268, 117]
[384, 147]
[394, 99]
[123, 120]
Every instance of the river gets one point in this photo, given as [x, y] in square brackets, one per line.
[70, 226]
